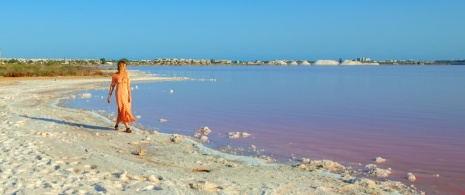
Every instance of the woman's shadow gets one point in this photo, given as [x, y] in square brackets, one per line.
[68, 123]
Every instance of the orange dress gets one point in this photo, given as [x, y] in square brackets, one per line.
[122, 96]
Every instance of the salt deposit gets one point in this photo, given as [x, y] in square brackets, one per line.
[379, 159]
[204, 130]
[305, 63]
[411, 177]
[76, 152]
[326, 62]
[235, 135]
[85, 95]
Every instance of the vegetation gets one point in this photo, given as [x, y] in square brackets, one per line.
[48, 69]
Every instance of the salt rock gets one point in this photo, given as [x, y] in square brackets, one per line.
[204, 186]
[176, 138]
[411, 177]
[245, 134]
[163, 120]
[153, 179]
[85, 95]
[197, 135]
[367, 183]
[379, 159]
[379, 172]
[253, 147]
[302, 166]
[234, 135]
[138, 117]
[123, 176]
[204, 130]
[171, 91]
[305, 160]
[204, 138]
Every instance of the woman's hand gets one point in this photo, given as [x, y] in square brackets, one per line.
[108, 99]
[129, 99]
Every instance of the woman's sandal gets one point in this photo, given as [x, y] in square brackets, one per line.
[128, 130]
[116, 127]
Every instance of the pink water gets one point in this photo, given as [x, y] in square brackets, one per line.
[413, 116]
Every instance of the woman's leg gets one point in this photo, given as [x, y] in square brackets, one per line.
[128, 128]
[117, 123]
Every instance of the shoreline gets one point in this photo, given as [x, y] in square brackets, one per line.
[51, 149]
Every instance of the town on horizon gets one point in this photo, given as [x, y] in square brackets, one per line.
[182, 61]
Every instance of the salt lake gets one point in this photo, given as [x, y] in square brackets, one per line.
[413, 116]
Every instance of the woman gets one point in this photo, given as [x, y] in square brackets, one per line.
[123, 96]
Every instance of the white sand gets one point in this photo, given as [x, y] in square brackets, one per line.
[46, 149]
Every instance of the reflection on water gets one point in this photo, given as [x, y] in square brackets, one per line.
[410, 115]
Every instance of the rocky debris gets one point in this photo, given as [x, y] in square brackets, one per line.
[379, 159]
[235, 135]
[163, 120]
[378, 172]
[138, 117]
[204, 130]
[411, 177]
[176, 138]
[171, 91]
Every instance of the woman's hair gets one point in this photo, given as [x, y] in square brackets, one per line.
[121, 64]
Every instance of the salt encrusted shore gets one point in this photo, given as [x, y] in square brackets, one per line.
[47, 149]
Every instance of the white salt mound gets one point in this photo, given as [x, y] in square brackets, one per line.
[204, 130]
[379, 159]
[411, 177]
[326, 62]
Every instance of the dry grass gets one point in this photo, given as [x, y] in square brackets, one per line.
[30, 70]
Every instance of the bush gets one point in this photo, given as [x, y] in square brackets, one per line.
[48, 69]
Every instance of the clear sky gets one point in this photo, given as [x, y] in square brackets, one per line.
[237, 30]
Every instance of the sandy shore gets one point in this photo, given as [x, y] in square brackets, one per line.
[47, 149]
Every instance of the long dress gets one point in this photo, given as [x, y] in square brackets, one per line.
[122, 96]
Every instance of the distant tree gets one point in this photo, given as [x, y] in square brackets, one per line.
[13, 61]
[103, 61]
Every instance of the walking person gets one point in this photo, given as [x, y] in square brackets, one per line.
[123, 96]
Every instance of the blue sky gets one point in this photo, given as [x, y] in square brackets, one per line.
[239, 30]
